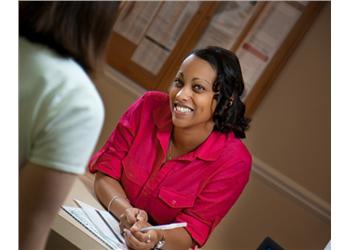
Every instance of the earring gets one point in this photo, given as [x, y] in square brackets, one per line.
[230, 101]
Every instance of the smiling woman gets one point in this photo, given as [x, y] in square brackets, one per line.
[178, 157]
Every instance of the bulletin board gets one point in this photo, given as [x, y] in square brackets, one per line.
[149, 44]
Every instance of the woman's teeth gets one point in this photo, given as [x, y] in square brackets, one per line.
[182, 109]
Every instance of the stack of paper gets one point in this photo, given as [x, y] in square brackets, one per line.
[99, 222]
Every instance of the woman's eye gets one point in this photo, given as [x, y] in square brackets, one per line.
[198, 88]
[178, 82]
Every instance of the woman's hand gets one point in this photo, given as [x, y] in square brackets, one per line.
[130, 217]
[141, 240]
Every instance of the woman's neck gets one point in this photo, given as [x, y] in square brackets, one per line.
[186, 140]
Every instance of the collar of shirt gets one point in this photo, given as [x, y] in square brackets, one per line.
[209, 150]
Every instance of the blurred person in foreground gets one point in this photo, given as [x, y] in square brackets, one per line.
[61, 44]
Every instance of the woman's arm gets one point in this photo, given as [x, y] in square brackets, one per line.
[111, 194]
[106, 188]
[41, 192]
[177, 238]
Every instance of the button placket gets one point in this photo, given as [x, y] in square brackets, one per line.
[153, 183]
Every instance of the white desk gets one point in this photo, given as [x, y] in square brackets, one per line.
[69, 228]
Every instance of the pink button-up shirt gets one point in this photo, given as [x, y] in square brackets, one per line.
[198, 188]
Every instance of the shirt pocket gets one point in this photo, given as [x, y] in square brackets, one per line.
[176, 200]
[169, 204]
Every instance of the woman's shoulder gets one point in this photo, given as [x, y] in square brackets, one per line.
[236, 151]
[58, 83]
[43, 63]
[155, 98]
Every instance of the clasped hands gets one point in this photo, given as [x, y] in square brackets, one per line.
[131, 221]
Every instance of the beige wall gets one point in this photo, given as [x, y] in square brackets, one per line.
[116, 100]
[290, 134]
[291, 128]
[290, 138]
[264, 211]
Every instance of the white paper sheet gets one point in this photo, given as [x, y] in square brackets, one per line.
[134, 25]
[263, 41]
[226, 24]
[95, 221]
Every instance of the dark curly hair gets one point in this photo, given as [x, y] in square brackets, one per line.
[228, 86]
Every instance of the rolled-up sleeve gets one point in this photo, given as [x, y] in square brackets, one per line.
[214, 202]
[108, 159]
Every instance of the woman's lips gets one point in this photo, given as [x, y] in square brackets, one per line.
[182, 109]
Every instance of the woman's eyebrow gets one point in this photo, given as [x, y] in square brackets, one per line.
[180, 74]
[197, 78]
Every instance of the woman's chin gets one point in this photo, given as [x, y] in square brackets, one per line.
[180, 123]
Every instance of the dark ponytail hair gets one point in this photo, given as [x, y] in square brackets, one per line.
[229, 87]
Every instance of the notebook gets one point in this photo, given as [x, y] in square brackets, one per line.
[99, 222]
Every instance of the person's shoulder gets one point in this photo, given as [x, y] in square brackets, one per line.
[155, 98]
[59, 82]
[236, 151]
[43, 72]
[156, 95]
[45, 65]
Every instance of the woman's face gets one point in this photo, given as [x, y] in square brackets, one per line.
[191, 94]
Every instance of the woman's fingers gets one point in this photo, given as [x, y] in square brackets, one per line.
[130, 217]
[123, 222]
[148, 237]
[135, 214]
[142, 215]
[138, 225]
[139, 241]
[131, 214]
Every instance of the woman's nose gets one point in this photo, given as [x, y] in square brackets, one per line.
[184, 94]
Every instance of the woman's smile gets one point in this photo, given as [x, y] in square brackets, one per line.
[182, 110]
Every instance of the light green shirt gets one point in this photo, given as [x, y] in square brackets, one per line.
[60, 111]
